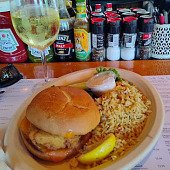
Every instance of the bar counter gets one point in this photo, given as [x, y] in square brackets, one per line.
[142, 67]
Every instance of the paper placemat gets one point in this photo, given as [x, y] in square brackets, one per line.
[159, 158]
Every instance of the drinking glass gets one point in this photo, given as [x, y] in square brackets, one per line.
[37, 24]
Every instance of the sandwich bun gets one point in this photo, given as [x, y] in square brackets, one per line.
[60, 110]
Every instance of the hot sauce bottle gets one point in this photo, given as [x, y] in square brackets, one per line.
[12, 49]
[82, 35]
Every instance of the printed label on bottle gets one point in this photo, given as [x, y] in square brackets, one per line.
[144, 46]
[98, 40]
[36, 53]
[145, 39]
[8, 42]
[129, 40]
[64, 45]
[143, 52]
[82, 44]
[113, 40]
[80, 8]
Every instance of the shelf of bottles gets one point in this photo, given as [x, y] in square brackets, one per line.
[99, 34]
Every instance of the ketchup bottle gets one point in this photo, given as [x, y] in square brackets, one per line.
[12, 49]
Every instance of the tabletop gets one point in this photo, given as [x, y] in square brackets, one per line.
[15, 95]
[57, 69]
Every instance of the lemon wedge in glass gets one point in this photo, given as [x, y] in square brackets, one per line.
[100, 152]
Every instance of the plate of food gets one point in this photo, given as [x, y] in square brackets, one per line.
[98, 118]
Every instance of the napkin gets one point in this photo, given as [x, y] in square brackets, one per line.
[3, 165]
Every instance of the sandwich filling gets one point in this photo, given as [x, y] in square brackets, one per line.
[43, 140]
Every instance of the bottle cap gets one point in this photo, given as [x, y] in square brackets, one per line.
[126, 14]
[136, 9]
[114, 25]
[97, 14]
[142, 12]
[94, 20]
[97, 25]
[4, 6]
[120, 11]
[109, 5]
[161, 19]
[112, 15]
[98, 6]
[145, 23]
[130, 24]
[109, 12]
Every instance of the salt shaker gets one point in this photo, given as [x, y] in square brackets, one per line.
[129, 38]
[113, 38]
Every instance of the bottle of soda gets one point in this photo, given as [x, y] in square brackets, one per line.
[64, 44]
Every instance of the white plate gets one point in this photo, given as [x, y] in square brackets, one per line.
[19, 158]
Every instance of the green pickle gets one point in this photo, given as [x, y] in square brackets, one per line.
[35, 55]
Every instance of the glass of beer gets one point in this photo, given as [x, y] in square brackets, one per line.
[37, 24]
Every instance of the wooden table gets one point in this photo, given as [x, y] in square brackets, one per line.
[57, 69]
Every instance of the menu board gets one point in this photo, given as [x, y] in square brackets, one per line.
[13, 96]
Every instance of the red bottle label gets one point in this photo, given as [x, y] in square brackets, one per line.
[12, 49]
